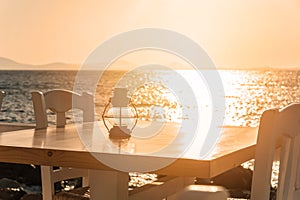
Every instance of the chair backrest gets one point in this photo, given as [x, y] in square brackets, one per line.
[61, 101]
[2, 94]
[278, 127]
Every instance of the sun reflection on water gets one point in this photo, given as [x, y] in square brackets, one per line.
[247, 94]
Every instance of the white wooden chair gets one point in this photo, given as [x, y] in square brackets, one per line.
[277, 127]
[2, 94]
[60, 101]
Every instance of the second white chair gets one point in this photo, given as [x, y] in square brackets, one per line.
[278, 127]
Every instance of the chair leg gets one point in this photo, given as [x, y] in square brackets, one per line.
[85, 179]
[47, 182]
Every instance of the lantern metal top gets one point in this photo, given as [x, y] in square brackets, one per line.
[120, 98]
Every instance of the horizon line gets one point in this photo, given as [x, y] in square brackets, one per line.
[15, 66]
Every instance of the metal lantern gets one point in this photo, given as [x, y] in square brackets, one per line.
[119, 115]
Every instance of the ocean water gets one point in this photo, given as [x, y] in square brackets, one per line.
[247, 93]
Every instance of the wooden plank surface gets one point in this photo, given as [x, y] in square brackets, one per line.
[63, 147]
[4, 126]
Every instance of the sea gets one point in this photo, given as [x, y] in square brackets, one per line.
[246, 93]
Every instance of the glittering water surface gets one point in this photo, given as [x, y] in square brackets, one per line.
[247, 93]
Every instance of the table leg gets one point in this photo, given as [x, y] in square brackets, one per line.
[108, 185]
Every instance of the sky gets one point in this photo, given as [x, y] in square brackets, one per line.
[234, 33]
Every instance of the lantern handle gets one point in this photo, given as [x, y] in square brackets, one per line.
[103, 114]
[136, 115]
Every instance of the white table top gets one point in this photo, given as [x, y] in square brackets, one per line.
[63, 147]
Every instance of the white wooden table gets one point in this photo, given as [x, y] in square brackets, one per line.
[63, 147]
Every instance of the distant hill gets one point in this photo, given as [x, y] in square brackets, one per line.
[9, 64]
[5, 62]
